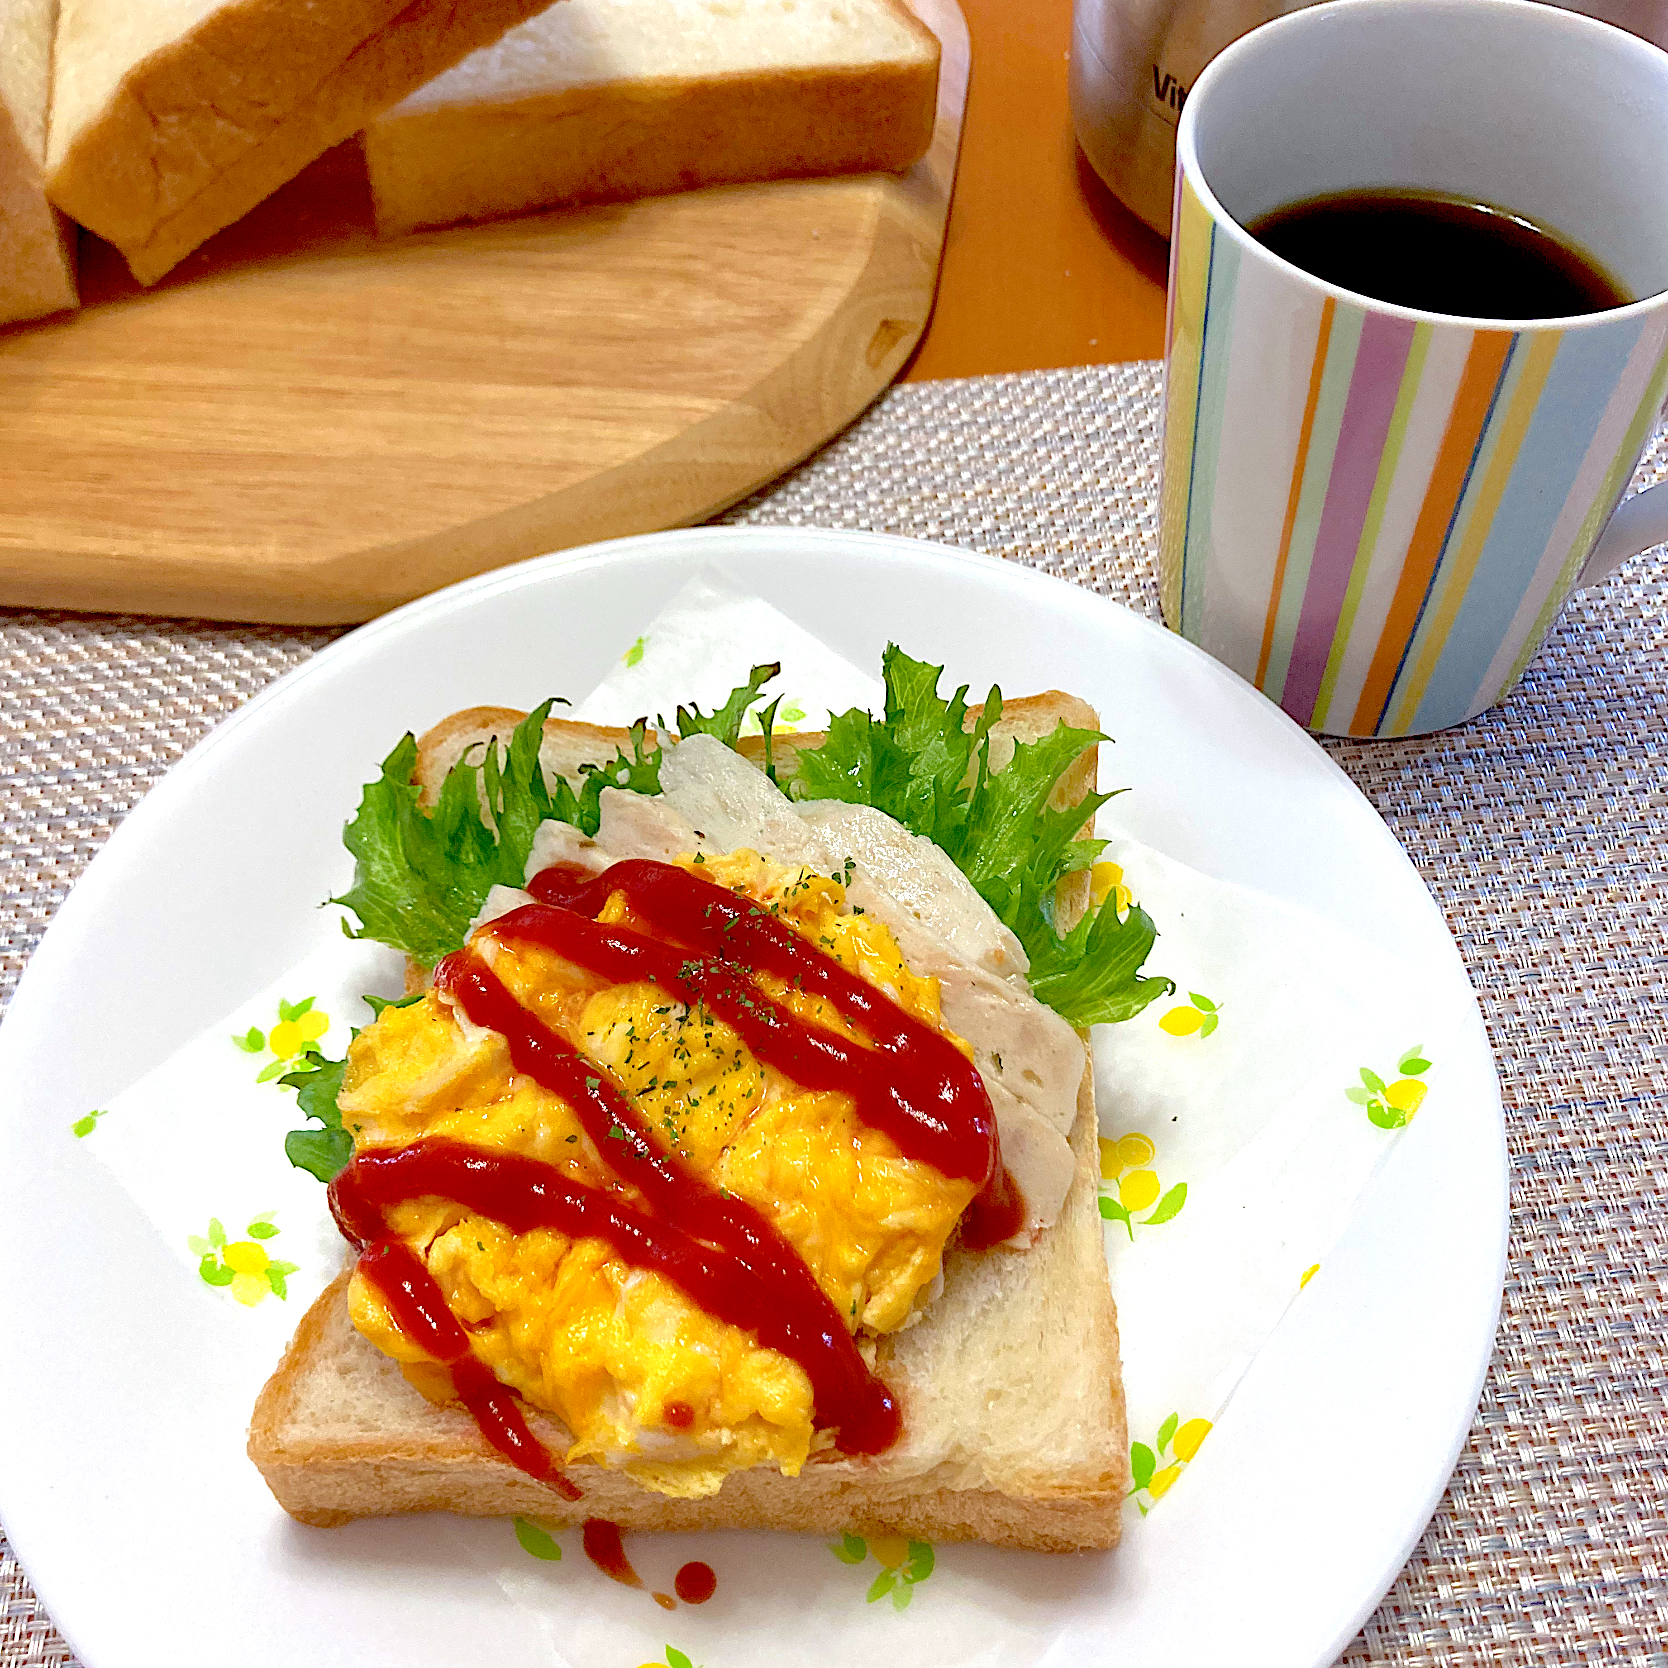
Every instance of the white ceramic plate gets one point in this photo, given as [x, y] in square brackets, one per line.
[125, 1490]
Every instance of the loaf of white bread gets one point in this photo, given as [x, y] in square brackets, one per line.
[155, 123]
[37, 249]
[606, 100]
[172, 118]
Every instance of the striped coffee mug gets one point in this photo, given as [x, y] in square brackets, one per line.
[1371, 512]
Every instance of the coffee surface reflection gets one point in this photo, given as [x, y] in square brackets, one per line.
[1439, 253]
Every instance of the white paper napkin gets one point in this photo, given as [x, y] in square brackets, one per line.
[705, 642]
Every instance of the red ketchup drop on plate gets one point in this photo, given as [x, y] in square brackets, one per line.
[695, 1583]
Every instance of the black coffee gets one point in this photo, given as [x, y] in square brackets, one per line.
[1441, 254]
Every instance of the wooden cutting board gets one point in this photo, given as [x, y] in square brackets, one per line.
[307, 426]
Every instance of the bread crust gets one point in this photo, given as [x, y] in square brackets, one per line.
[1010, 1387]
[567, 744]
[37, 246]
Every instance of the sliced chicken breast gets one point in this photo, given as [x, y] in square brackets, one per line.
[730, 804]
[920, 876]
[634, 825]
[561, 842]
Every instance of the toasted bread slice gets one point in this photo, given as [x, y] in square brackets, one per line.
[1010, 1387]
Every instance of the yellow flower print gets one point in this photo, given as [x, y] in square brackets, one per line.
[1308, 1274]
[1106, 880]
[1121, 1154]
[1133, 1186]
[290, 1036]
[1392, 1105]
[1176, 1445]
[1198, 1020]
[903, 1564]
[1138, 1189]
[292, 1041]
[244, 1265]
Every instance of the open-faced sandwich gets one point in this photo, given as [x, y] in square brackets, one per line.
[731, 1160]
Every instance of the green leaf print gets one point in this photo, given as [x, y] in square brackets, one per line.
[539, 1542]
[1112, 1211]
[276, 1068]
[1141, 1464]
[853, 1549]
[882, 1585]
[1178, 1442]
[1168, 1206]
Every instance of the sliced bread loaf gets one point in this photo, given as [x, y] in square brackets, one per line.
[604, 100]
[37, 248]
[173, 118]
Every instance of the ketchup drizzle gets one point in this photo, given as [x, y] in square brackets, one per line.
[523, 1193]
[776, 1297]
[419, 1310]
[694, 1583]
[913, 1083]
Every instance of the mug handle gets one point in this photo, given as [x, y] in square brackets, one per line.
[1639, 524]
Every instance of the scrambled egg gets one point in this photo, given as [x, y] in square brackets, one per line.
[641, 1377]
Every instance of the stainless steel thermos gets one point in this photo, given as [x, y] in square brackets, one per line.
[1132, 62]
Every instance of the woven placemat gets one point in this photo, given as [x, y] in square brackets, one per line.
[1542, 829]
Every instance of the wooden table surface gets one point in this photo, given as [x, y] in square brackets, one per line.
[1042, 265]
